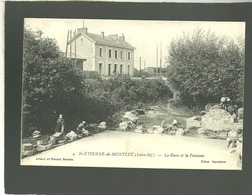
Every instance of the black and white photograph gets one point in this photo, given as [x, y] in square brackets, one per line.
[155, 94]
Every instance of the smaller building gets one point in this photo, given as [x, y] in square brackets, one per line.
[156, 71]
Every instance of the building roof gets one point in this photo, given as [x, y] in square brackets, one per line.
[111, 40]
[108, 40]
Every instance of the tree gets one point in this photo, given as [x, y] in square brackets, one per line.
[51, 84]
[202, 67]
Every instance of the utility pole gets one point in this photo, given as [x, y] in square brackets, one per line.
[140, 64]
[75, 48]
[157, 56]
[67, 42]
[70, 44]
[160, 54]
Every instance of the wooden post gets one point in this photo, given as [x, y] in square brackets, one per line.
[160, 54]
[140, 64]
[70, 44]
[75, 48]
[157, 56]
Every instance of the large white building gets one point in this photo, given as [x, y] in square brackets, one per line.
[108, 55]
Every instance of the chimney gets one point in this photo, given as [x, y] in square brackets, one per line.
[102, 35]
[83, 30]
[122, 37]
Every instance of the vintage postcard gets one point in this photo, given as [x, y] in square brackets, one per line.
[133, 93]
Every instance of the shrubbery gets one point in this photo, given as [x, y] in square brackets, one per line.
[52, 86]
[203, 67]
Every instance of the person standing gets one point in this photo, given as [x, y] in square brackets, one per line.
[232, 138]
[60, 124]
[223, 102]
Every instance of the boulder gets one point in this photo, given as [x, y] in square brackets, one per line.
[123, 126]
[151, 112]
[192, 122]
[201, 131]
[215, 107]
[157, 129]
[71, 136]
[150, 130]
[130, 116]
[217, 120]
[138, 130]
[239, 148]
[39, 141]
[238, 126]
[102, 125]
[140, 127]
[41, 148]
[28, 153]
[240, 121]
[202, 135]
[223, 135]
[27, 147]
[209, 106]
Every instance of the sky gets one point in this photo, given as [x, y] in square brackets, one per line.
[144, 35]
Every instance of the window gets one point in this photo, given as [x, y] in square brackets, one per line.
[81, 40]
[110, 52]
[115, 54]
[100, 68]
[128, 69]
[121, 54]
[115, 69]
[109, 69]
[100, 54]
[128, 55]
[79, 64]
[121, 69]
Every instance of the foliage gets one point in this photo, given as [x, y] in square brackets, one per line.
[52, 86]
[122, 92]
[203, 67]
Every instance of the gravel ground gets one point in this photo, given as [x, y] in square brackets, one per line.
[136, 150]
